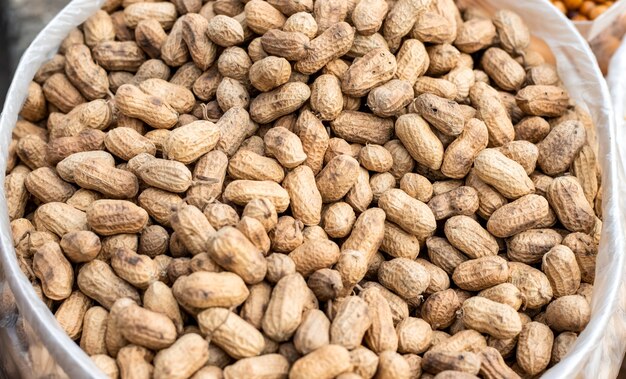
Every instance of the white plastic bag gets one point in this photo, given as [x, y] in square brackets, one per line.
[599, 349]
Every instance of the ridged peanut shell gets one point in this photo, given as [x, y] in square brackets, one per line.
[284, 311]
[533, 284]
[495, 319]
[281, 101]
[443, 114]
[560, 266]
[504, 174]
[325, 363]
[233, 251]
[560, 147]
[405, 277]
[209, 289]
[534, 347]
[542, 100]
[97, 280]
[360, 127]
[242, 192]
[410, 214]
[54, 271]
[481, 273]
[109, 217]
[567, 198]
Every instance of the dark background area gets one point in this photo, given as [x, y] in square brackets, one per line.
[20, 22]
[6, 56]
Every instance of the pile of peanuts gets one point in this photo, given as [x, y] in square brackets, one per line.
[307, 189]
[583, 10]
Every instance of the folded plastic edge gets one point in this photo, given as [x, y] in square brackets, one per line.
[592, 29]
[66, 352]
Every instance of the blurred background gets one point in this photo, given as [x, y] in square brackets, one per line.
[20, 21]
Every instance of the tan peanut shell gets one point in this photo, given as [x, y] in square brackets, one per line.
[464, 340]
[285, 146]
[390, 98]
[232, 250]
[493, 113]
[158, 297]
[405, 277]
[85, 74]
[80, 246]
[439, 310]
[561, 346]
[505, 293]
[178, 97]
[360, 127]
[414, 335]
[337, 178]
[54, 271]
[94, 328]
[234, 335]
[98, 281]
[60, 218]
[495, 319]
[441, 361]
[412, 61]
[481, 273]
[350, 322]
[530, 246]
[109, 217]
[533, 284]
[512, 31]
[542, 100]
[284, 310]
[520, 215]
[460, 201]
[44, 184]
[504, 174]
[133, 102]
[381, 334]
[419, 140]
[442, 113]
[145, 328]
[470, 237]
[281, 101]
[334, 42]
[393, 365]
[313, 332]
[188, 143]
[127, 143]
[325, 363]
[263, 366]
[570, 205]
[420, 221]
[534, 347]
[460, 154]
[560, 266]
[61, 148]
[189, 353]
[269, 73]
[401, 18]
[503, 69]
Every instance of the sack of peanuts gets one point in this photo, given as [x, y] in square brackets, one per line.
[312, 189]
[602, 23]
